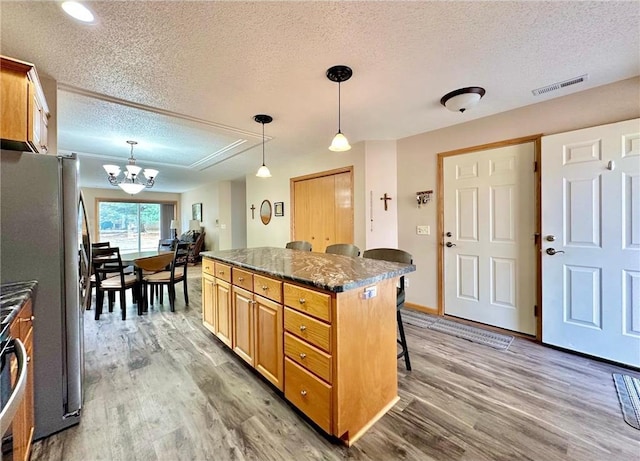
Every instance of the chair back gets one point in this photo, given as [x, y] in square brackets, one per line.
[180, 259]
[166, 244]
[299, 245]
[392, 255]
[346, 249]
[107, 263]
[101, 245]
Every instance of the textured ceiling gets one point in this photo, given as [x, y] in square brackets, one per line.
[184, 79]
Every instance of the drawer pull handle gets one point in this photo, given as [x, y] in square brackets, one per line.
[240, 279]
[265, 288]
[302, 328]
[221, 272]
[303, 393]
[302, 300]
[303, 355]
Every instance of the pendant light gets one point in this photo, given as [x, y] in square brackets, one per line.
[339, 74]
[263, 171]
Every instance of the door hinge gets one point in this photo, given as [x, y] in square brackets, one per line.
[535, 167]
[535, 310]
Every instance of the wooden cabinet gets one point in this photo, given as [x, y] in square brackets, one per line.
[23, 422]
[208, 299]
[24, 114]
[333, 354]
[246, 315]
[223, 311]
[243, 324]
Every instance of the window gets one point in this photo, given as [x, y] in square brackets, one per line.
[133, 226]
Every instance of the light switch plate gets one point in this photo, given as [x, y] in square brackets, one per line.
[423, 230]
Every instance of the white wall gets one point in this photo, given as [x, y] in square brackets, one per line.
[277, 189]
[91, 196]
[381, 177]
[238, 214]
[208, 196]
[417, 162]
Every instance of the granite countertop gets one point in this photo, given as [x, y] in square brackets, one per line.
[12, 297]
[330, 272]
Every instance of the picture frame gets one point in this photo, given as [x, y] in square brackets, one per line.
[196, 211]
[278, 208]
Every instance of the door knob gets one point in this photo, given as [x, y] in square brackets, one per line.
[552, 251]
[449, 244]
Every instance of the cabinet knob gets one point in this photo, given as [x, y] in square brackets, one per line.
[302, 328]
[265, 288]
[221, 272]
[303, 355]
[303, 392]
[240, 279]
[302, 300]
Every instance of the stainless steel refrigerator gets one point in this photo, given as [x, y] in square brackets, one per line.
[39, 241]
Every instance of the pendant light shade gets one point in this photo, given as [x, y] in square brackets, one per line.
[339, 74]
[263, 171]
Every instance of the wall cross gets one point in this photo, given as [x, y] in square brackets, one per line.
[253, 209]
[385, 197]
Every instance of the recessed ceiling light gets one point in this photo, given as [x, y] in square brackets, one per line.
[78, 11]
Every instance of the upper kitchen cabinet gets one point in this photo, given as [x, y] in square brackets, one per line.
[24, 114]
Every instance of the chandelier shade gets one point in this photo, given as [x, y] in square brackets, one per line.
[131, 182]
[339, 74]
[263, 171]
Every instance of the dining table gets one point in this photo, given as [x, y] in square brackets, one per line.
[129, 259]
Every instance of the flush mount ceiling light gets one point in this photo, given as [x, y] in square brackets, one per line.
[78, 11]
[263, 171]
[339, 74]
[462, 99]
[131, 182]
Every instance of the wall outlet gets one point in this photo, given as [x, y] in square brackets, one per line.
[423, 230]
[406, 281]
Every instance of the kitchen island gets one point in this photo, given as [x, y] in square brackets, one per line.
[320, 327]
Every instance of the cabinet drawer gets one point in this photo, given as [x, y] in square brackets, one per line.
[312, 358]
[308, 301]
[309, 393]
[242, 278]
[223, 271]
[308, 328]
[208, 266]
[268, 287]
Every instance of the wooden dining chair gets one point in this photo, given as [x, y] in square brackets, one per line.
[146, 267]
[111, 278]
[299, 245]
[177, 273]
[398, 256]
[346, 249]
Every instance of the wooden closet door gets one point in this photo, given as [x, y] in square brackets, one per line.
[323, 209]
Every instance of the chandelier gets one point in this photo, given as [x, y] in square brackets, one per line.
[131, 182]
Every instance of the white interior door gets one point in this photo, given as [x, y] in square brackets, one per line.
[591, 217]
[489, 225]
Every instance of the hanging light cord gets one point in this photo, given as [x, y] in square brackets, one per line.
[339, 108]
[263, 144]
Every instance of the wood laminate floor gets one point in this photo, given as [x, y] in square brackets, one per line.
[161, 387]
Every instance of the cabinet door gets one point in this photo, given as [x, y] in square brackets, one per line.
[269, 355]
[242, 324]
[209, 303]
[223, 311]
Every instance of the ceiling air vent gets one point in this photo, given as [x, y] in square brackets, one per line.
[558, 85]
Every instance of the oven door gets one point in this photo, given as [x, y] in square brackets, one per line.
[13, 381]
